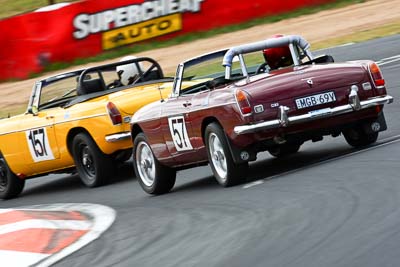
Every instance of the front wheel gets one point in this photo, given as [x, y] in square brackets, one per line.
[94, 167]
[357, 137]
[225, 170]
[10, 185]
[153, 177]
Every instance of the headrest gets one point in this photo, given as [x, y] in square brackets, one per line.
[91, 86]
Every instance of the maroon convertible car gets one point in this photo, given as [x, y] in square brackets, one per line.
[272, 95]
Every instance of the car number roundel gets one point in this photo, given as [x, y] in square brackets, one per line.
[179, 134]
[38, 144]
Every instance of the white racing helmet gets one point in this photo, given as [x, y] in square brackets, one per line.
[129, 72]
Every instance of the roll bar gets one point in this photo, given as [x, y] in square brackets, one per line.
[288, 40]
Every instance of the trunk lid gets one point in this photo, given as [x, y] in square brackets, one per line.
[130, 100]
[283, 87]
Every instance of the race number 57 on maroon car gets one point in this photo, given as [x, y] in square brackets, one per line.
[272, 95]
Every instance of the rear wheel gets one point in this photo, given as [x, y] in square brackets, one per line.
[10, 185]
[284, 150]
[153, 177]
[225, 170]
[94, 167]
[357, 137]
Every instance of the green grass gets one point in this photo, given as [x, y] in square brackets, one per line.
[15, 7]
[361, 36]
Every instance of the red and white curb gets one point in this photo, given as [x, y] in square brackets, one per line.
[43, 234]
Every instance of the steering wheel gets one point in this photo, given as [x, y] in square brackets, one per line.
[211, 84]
[141, 78]
[114, 84]
[262, 68]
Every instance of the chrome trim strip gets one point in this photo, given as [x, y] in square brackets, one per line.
[12, 132]
[324, 113]
[195, 109]
[180, 113]
[56, 123]
[82, 118]
[118, 137]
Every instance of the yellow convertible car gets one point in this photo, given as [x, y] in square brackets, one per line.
[78, 121]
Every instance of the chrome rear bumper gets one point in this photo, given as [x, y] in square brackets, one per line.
[284, 120]
[118, 137]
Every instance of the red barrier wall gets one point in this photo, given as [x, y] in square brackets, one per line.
[32, 40]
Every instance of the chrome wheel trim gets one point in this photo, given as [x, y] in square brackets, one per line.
[145, 163]
[218, 157]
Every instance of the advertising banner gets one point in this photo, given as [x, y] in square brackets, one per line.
[64, 32]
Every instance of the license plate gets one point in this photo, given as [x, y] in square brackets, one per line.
[315, 100]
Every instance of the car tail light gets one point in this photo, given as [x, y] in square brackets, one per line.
[114, 113]
[376, 74]
[243, 102]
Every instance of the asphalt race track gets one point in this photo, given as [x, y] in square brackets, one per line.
[328, 205]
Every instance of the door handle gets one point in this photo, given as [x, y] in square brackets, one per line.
[50, 117]
[187, 104]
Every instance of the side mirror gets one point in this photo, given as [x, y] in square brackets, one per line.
[33, 110]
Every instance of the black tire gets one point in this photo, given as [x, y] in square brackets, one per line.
[284, 150]
[357, 137]
[10, 185]
[226, 171]
[153, 177]
[94, 167]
